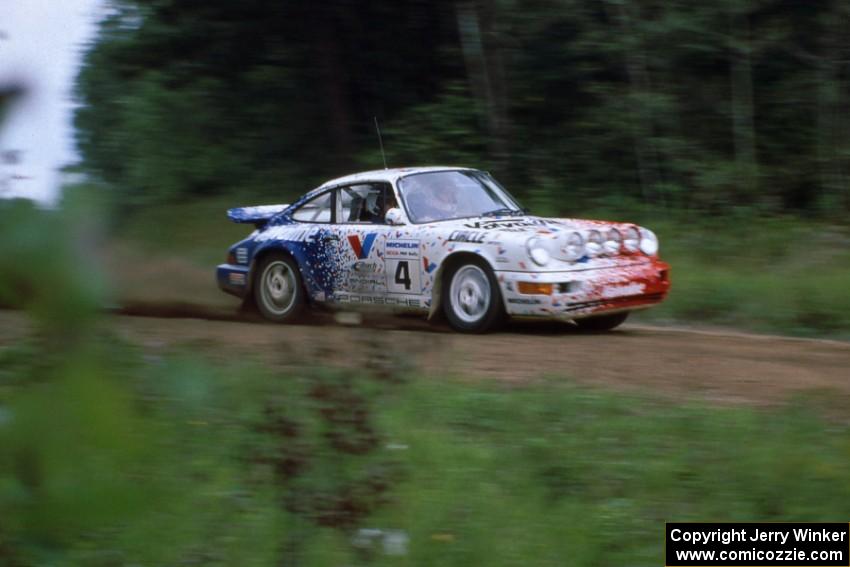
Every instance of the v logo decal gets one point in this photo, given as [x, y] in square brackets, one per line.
[361, 250]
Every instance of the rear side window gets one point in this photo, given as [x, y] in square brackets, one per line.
[317, 209]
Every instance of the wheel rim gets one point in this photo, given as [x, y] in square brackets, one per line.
[278, 289]
[470, 294]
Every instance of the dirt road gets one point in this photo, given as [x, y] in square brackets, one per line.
[678, 363]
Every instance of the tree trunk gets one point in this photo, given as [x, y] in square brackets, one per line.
[743, 120]
[332, 78]
[637, 70]
[485, 73]
[832, 135]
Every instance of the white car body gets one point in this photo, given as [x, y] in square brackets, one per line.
[403, 264]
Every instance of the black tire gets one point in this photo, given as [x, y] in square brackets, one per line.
[278, 290]
[602, 323]
[483, 309]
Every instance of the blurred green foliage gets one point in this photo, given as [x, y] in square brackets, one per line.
[685, 107]
[43, 270]
[112, 455]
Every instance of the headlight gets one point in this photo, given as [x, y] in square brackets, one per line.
[613, 241]
[573, 247]
[594, 243]
[536, 251]
[631, 240]
[648, 242]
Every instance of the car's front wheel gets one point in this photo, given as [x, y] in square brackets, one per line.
[278, 291]
[472, 301]
[602, 323]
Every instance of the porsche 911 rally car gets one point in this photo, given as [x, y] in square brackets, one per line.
[440, 240]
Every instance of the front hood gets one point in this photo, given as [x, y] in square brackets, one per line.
[527, 224]
[504, 240]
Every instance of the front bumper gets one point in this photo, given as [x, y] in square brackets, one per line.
[233, 279]
[587, 292]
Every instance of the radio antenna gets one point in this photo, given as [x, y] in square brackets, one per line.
[381, 142]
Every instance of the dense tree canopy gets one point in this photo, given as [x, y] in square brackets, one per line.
[684, 105]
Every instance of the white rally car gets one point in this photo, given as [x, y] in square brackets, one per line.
[440, 240]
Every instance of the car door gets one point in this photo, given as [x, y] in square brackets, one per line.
[360, 210]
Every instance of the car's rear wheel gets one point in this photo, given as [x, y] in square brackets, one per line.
[602, 323]
[278, 291]
[472, 301]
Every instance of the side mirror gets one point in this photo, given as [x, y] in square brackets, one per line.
[394, 217]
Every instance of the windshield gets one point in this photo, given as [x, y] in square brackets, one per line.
[446, 195]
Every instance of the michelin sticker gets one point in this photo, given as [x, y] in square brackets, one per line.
[403, 266]
[402, 249]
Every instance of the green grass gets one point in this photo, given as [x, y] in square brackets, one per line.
[772, 275]
[547, 474]
[198, 231]
[555, 474]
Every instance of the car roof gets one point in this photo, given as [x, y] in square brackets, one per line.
[389, 175]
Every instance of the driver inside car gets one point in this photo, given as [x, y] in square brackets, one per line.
[437, 204]
[377, 204]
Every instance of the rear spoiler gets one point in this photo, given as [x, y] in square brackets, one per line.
[258, 216]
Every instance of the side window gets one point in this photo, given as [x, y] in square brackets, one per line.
[364, 203]
[317, 209]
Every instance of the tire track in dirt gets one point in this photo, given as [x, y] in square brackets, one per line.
[680, 363]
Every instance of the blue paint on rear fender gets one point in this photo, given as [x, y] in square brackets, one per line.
[259, 215]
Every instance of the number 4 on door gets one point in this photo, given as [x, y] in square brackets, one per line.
[402, 277]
